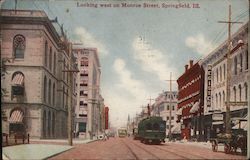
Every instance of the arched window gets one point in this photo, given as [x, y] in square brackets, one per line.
[224, 70]
[50, 59]
[223, 98]
[44, 123]
[54, 63]
[241, 62]
[216, 97]
[246, 91]
[19, 46]
[217, 74]
[235, 65]
[219, 100]
[63, 98]
[54, 94]
[220, 73]
[246, 63]
[46, 53]
[49, 124]
[45, 89]
[240, 92]
[53, 124]
[234, 94]
[49, 92]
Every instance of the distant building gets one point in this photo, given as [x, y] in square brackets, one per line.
[88, 92]
[190, 100]
[162, 106]
[215, 94]
[106, 117]
[35, 100]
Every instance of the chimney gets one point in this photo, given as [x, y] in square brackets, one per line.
[186, 68]
[191, 63]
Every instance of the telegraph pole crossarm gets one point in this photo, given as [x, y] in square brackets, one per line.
[228, 119]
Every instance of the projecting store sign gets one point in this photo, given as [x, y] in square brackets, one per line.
[209, 80]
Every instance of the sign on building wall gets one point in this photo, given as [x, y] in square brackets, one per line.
[209, 81]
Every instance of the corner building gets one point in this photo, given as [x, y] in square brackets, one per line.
[35, 101]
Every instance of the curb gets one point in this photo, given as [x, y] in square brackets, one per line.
[57, 154]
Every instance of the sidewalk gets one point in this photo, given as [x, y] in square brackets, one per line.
[40, 149]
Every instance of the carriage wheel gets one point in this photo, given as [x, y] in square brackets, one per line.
[214, 146]
[227, 148]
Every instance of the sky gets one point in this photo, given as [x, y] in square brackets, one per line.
[138, 47]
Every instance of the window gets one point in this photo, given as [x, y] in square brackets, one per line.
[167, 118]
[172, 118]
[219, 100]
[246, 54]
[167, 107]
[54, 94]
[81, 93]
[246, 91]
[234, 94]
[240, 92]
[82, 127]
[17, 83]
[49, 91]
[172, 107]
[46, 53]
[224, 70]
[54, 70]
[45, 89]
[235, 65]
[63, 98]
[216, 97]
[50, 59]
[81, 103]
[148, 126]
[217, 74]
[241, 62]
[220, 73]
[19, 46]
[156, 126]
[223, 97]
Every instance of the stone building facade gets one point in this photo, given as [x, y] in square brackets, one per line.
[87, 110]
[36, 97]
[165, 102]
[215, 67]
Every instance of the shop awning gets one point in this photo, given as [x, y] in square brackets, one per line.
[18, 80]
[195, 107]
[176, 129]
[179, 112]
[217, 122]
[16, 117]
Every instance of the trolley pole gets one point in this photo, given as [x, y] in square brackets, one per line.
[228, 117]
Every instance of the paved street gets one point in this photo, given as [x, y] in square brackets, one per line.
[127, 148]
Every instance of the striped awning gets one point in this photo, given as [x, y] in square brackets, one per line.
[18, 80]
[195, 107]
[16, 117]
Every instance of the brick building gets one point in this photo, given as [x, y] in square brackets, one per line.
[106, 112]
[190, 100]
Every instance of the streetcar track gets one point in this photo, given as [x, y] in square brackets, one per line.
[164, 151]
[130, 149]
[198, 157]
[156, 157]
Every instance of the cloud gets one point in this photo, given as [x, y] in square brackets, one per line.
[89, 41]
[199, 44]
[132, 86]
[152, 60]
[126, 96]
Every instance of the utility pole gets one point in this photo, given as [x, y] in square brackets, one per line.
[170, 104]
[70, 71]
[228, 118]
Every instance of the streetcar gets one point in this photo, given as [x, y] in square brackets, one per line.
[122, 132]
[152, 130]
